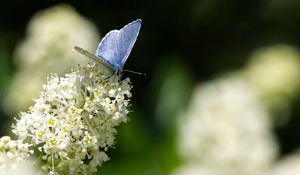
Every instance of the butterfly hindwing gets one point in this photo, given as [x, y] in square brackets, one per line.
[92, 56]
[107, 49]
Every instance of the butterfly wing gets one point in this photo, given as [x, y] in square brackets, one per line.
[93, 57]
[116, 46]
[127, 38]
[107, 49]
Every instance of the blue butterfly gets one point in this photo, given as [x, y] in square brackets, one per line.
[115, 47]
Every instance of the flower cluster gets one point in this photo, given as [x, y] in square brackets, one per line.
[287, 165]
[227, 128]
[274, 73]
[48, 41]
[12, 151]
[73, 122]
[223, 122]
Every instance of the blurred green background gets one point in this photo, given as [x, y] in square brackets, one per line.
[181, 45]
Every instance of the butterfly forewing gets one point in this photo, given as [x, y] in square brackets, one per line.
[127, 38]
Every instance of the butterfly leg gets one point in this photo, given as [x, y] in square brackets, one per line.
[109, 75]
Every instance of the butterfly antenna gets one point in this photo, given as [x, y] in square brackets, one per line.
[134, 72]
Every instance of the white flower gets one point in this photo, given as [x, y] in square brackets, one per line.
[48, 47]
[289, 165]
[73, 122]
[225, 130]
[24, 167]
[274, 74]
[13, 153]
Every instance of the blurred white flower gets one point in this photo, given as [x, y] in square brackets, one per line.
[14, 157]
[48, 47]
[25, 167]
[289, 165]
[13, 151]
[226, 129]
[51, 36]
[196, 169]
[274, 74]
[73, 122]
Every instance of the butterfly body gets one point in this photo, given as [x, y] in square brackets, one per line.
[115, 47]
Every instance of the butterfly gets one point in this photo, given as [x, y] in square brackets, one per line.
[115, 47]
